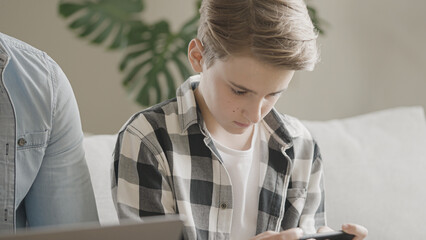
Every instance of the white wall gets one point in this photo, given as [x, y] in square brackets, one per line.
[373, 57]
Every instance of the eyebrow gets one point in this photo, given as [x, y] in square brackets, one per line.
[252, 91]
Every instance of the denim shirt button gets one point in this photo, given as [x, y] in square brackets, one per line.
[22, 142]
[223, 206]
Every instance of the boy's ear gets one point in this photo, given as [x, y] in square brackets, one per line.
[195, 55]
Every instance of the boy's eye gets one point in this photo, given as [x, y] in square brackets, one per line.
[275, 94]
[238, 92]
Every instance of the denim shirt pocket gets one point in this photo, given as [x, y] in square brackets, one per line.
[32, 140]
[29, 156]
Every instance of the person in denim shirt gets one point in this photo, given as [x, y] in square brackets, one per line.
[44, 177]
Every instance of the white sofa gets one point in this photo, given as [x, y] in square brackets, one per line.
[375, 172]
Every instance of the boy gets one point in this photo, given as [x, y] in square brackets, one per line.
[219, 153]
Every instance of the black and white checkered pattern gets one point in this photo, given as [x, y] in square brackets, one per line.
[166, 163]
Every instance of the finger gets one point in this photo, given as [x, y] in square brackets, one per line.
[324, 229]
[294, 233]
[291, 234]
[264, 235]
[359, 231]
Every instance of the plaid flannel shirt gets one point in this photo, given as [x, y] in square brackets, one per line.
[165, 162]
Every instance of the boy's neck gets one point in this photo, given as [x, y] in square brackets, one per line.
[234, 141]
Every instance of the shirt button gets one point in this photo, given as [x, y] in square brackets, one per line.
[223, 206]
[22, 142]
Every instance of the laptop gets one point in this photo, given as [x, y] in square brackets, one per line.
[158, 227]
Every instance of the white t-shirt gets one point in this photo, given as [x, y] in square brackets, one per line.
[243, 169]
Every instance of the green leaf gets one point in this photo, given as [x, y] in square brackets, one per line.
[143, 96]
[119, 40]
[135, 70]
[154, 48]
[139, 33]
[157, 88]
[131, 56]
[68, 9]
[104, 34]
[171, 84]
[82, 21]
[91, 27]
[120, 14]
[183, 69]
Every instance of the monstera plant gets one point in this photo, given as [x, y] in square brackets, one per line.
[154, 59]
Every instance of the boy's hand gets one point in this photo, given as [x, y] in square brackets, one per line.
[325, 229]
[360, 232]
[291, 234]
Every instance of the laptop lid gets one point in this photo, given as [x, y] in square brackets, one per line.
[158, 227]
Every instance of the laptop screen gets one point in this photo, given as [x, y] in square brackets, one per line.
[158, 227]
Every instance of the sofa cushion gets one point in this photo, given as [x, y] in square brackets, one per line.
[375, 167]
[99, 149]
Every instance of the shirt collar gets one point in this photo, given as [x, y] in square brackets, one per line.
[188, 110]
[285, 127]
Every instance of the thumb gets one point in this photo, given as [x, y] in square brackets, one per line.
[359, 231]
[324, 229]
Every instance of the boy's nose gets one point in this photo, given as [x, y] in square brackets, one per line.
[254, 112]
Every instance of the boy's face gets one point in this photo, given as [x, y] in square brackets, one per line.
[240, 91]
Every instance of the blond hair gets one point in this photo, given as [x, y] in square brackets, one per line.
[277, 32]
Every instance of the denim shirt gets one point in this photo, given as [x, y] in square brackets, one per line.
[44, 177]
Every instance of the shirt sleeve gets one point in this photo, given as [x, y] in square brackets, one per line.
[141, 186]
[313, 214]
[62, 191]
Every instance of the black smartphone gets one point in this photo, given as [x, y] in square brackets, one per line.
[338, 235]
